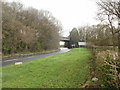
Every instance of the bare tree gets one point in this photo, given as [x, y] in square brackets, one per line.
[107, 18]
[0, 28]
[28, 29]
[111, 7]
[119, 27]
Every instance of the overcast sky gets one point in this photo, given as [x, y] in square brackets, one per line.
[71, 13]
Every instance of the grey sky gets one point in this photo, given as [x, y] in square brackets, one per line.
[71, 13]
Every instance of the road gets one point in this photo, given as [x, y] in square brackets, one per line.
[13, 61]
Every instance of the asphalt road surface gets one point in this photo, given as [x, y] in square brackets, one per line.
[24, 59]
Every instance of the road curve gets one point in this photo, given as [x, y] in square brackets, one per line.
[13, 61]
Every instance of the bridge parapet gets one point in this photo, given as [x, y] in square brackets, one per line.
[64, 39]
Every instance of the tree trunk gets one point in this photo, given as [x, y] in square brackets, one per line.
[119, 31]
[112, 31]
[113, 39]
[119, 38]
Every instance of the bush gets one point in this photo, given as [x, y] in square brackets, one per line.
[108, 67]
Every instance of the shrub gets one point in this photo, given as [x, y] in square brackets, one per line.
[108, 67]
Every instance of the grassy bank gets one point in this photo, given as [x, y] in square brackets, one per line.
[66, 70]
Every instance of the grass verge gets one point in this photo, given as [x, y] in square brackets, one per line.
[66, 70]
